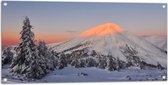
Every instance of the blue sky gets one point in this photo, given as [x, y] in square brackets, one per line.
[60, 18]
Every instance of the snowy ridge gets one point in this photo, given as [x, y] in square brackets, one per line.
[159, 41]
[113, 44]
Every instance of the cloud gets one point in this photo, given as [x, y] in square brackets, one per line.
[71, 31]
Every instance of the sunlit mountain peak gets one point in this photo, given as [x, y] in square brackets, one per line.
[101, 30]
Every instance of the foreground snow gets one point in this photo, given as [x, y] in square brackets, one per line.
[90, 74]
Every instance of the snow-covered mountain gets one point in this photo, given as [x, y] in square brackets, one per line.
[108, 42]
[159, 41]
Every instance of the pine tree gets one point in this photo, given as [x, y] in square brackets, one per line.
[47, 56]
[119, 66]
[62, 61]
[102, 62]
[82, 63]
[27, 62]
[90, 62]
[110, 64]
[42, 48]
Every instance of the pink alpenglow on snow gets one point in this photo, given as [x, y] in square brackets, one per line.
[100, 30]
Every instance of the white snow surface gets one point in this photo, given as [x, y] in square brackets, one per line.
[70, 74]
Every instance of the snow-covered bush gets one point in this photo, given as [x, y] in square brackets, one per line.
[7, 56]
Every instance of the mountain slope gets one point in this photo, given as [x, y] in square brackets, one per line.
[110, 41]
[159, 41]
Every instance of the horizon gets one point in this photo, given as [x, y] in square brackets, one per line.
[60, 21]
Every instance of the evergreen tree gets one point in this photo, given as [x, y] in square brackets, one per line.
[62, 61]
[118, 62]
[110, 64]
[42, 48]
[90, 62]
[76, 63]
[47, 56]
[102, 62]
[82, 63]
[27, 62]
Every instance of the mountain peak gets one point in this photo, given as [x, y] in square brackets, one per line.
[101, 30]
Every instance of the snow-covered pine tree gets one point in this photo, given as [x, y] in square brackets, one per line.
[47, 56]
[90, 62]
[7, 56]
[121, 64]
[73, 63]
[42, 54]
[82, 63]
[27, 62]
[111, 64]
[62, 61]
[102, 62]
